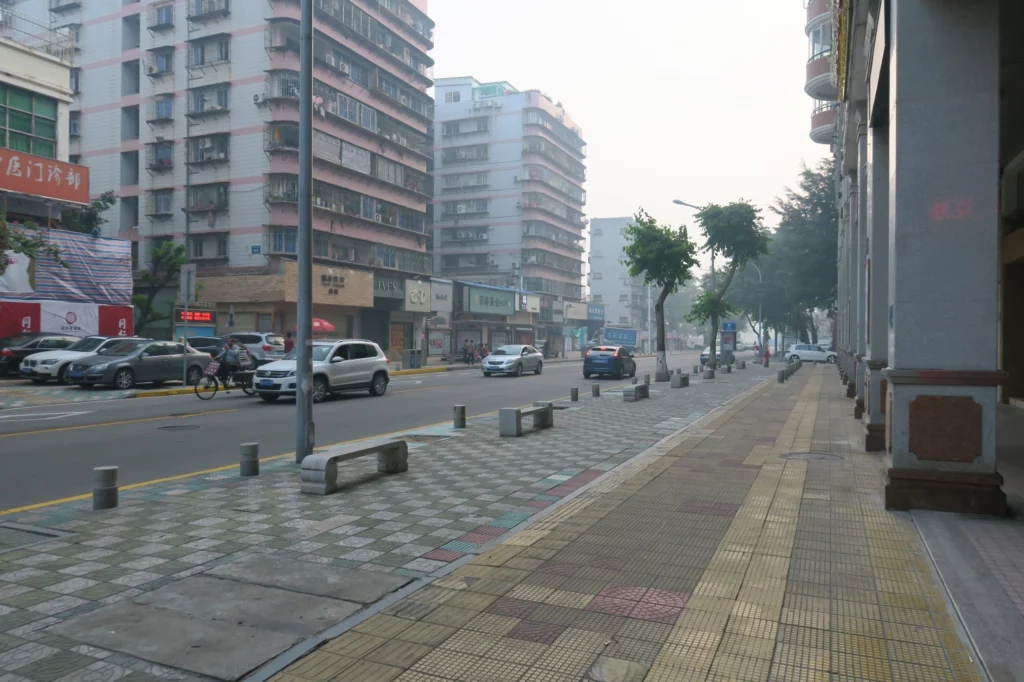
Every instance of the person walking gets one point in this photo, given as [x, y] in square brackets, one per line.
[472, 353]
[289, 342]
[465, 351]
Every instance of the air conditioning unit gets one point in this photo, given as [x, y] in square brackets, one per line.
[377, 262]
[516, 179]
[494, 263]
[343, 67]
[460, 209]
[205, 143]
[379, 218]
[519, 204]
[329, 58]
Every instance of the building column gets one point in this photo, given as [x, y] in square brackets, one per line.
[840, 326]
[875, 360]
[849, 202]
[944, 255]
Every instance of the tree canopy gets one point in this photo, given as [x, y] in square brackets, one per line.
[25, 239]
[89, 219]
[164, 267]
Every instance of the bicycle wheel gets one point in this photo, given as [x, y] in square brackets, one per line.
[206, 387]
[247, 387]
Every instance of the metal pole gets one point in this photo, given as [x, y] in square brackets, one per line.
[304, 428]
[650, 324]
[188, 295]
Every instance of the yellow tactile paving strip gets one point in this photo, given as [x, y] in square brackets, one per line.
[713, 559]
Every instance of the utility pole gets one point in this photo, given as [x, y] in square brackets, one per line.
[650, 325]
[305, 435]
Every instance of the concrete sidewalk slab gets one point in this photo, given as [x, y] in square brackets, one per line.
[354, 585]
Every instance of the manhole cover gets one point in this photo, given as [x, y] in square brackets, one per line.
[814, 456]
[178, 427]
[13, 537]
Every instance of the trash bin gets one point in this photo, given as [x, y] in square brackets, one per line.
[412, 359]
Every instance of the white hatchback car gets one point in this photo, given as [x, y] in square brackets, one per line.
[347, 365]
[809, 352]
[54, 364]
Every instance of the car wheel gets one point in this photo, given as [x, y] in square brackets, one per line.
[379, 384]
[586, 375]
[269, 397]
[519, 370]
[632, 372]
[62, 374]
[319, 389]
[540, 367]
[193, 375]
[124, 379]
[794, 358]
[831, 360]
[487, 374]
[617, 373]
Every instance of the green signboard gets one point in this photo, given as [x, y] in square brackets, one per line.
[492, 301]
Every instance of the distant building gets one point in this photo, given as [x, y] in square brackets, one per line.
[624, 297]
[508, 208]
[819, 83]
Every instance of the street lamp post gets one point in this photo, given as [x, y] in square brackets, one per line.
[304, 427]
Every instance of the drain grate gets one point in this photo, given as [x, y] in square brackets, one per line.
[178, 427]
[15, 537]
[814, 456]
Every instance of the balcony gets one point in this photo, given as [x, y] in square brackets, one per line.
[560, 132]
[819, 77]
[160, 63]
[212, 198]
[209, 101]
[823, 122]
[815, 9]
[160, 17]
[540, 202]
[160, 157]
[339, 249]
[160, 109]
[64, 5]
[409, 15]
[208, 150]
[205, 10]
[550, 151]
[159, 204]
[555, 182]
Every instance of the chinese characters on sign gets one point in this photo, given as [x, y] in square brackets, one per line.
[207, 316]
[334, 283]
[41, 177]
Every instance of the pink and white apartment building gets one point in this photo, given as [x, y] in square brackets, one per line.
[508, 208]
[188, 110]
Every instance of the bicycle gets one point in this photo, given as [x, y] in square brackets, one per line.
[210, 383]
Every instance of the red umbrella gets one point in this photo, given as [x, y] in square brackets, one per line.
[320, 326]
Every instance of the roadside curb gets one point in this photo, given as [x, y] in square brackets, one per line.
[168, 392]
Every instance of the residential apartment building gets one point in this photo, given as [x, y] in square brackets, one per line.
[188, 109]
[508, 209]
[819, 83]
[624, 297]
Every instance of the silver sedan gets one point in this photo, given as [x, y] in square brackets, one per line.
[513, 360]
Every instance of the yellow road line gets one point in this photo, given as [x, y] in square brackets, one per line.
[120, 423]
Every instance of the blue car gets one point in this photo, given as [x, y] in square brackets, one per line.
[614, 361]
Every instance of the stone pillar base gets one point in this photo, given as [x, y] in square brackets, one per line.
[858, 408]
[851, 390]
[947, 491]
[874, 437]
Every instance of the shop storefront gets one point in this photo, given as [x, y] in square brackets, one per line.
[439, 333]
[396, 321]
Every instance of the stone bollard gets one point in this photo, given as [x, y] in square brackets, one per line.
[679, 371]
[633, 381]
[727, 369]
[249, 459]
[765, 363]
[104, 488]
[709, 374]
[680, 380]
[696, 369]
[459, 421]
[595, 390]
[742, 364]
[647, 379]
[574, 395]
[782, 376]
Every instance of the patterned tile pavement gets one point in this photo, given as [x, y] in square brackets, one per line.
[1001, 546]
[462, 491]
[717, 558]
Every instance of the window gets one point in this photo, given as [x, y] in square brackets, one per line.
[74, 123]
[264, 322]
[452, 97]
[387, 255]
[820, 41]
[623, 298]
[284, 241]
[596, 275]
[597, 232]
[210, 52]
[76, 79]
[165, 108]
[197, 247]
[164, 15]
[597, 298]
[28, 122]
[209, 99]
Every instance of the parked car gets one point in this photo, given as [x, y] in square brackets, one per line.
[54, 364]
[614, 361]
[213, 345]
[137, 361]
[810, 352]
[727, 357]
[337, 366]
[513, 360]
[16, 349]
[263, 347]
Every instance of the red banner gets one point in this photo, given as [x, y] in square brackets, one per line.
[73, 319]
[117, 320]
[18, 318]
[38, 176]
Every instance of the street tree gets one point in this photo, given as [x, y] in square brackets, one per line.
[24, 239]
[735, 232]
[164, 268]
[89, 219]
[664, 257]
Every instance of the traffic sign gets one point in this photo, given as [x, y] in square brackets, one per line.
[728, 326]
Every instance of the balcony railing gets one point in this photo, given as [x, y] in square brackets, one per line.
[160, 204]
[64, 5]
[404, 11]
[160, 109]
[160, 156]
[160, 64]
[341, 201]
[357, 252]
[550, 151]
[202, 10]
[160, 17]
[208, 198]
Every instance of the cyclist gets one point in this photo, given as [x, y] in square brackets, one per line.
[230, 361]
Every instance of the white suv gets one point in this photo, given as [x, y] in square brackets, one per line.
[337, 366]
[809, 352]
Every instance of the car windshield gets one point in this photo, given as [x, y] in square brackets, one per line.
[507, 350]
[320, 353]
[122, 348]
[86, 345]
[275, 339]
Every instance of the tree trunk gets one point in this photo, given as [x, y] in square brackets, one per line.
[661, 372]
[814, 327]
[712, 357]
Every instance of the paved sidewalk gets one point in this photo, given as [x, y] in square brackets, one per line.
[464, 492]
[722, 557]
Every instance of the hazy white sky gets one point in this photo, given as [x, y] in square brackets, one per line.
[700, 100]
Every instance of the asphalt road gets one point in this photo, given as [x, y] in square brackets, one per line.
[47, 453]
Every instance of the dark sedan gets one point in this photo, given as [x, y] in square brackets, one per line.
[615, 361]
[134, 362]
[14, 350]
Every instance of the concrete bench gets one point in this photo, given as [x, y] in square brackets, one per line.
[680, 380]
[510, 419]
[631, 394]
[320, 470]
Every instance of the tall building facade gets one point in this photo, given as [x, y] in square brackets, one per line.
[188, 110]
[819, 83]
[624, 297]
[508, 210]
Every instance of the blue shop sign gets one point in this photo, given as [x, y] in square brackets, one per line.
[595, 311]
